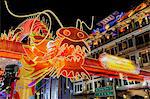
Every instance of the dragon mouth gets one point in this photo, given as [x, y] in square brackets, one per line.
[82, 44]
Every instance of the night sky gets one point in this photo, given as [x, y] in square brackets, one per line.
[67, 11]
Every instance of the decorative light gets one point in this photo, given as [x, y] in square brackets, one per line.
[107, 26]
[111, 62]
[124, 96]
[146, 97]
[95, 42]
[110, 79]
[107, 36]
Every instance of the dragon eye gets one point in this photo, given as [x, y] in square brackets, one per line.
[80, 35]
[66, 32]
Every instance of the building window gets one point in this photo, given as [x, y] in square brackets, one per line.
[105, 39]
[116, 82]
[143, 22]
[130, 27]
[137, 82]
[133, 58]
[139, 40]
[75, 88]
[112, 51]
[87, 86]
[90, 86]
[125, 82]
[100, 51]
[120, 46]
[144, 58]
[107, 51]
[94, 55]
[131, 82]
[99, 84]
[95, 83]
[148, 19]
[147, 37]
[102, 40]
[130, 42]
[114, 34]
[116, 50]
[119, 82]
[124, 45]
[137, 25]
[103, 83]
[127, 56]
[80, 87]
[97, 55]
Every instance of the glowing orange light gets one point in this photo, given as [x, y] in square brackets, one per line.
[117, 63]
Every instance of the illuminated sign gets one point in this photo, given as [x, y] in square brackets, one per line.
[104, 88]
[108, 21]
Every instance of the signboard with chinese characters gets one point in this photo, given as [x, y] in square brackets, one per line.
[104, 91]
[109, 21]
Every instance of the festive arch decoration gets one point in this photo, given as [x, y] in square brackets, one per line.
[43, 55]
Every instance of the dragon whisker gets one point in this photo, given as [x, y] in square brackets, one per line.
[37, 76]
[38, 72]
[52, 70]
[40, 78]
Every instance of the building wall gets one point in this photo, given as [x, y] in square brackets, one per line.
[53, 88]
[47, 88]
[65, 89]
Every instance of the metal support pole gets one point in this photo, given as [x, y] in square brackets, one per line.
[114, 89]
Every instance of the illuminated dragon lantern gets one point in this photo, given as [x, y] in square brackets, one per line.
[65, 55]
[42, 55]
